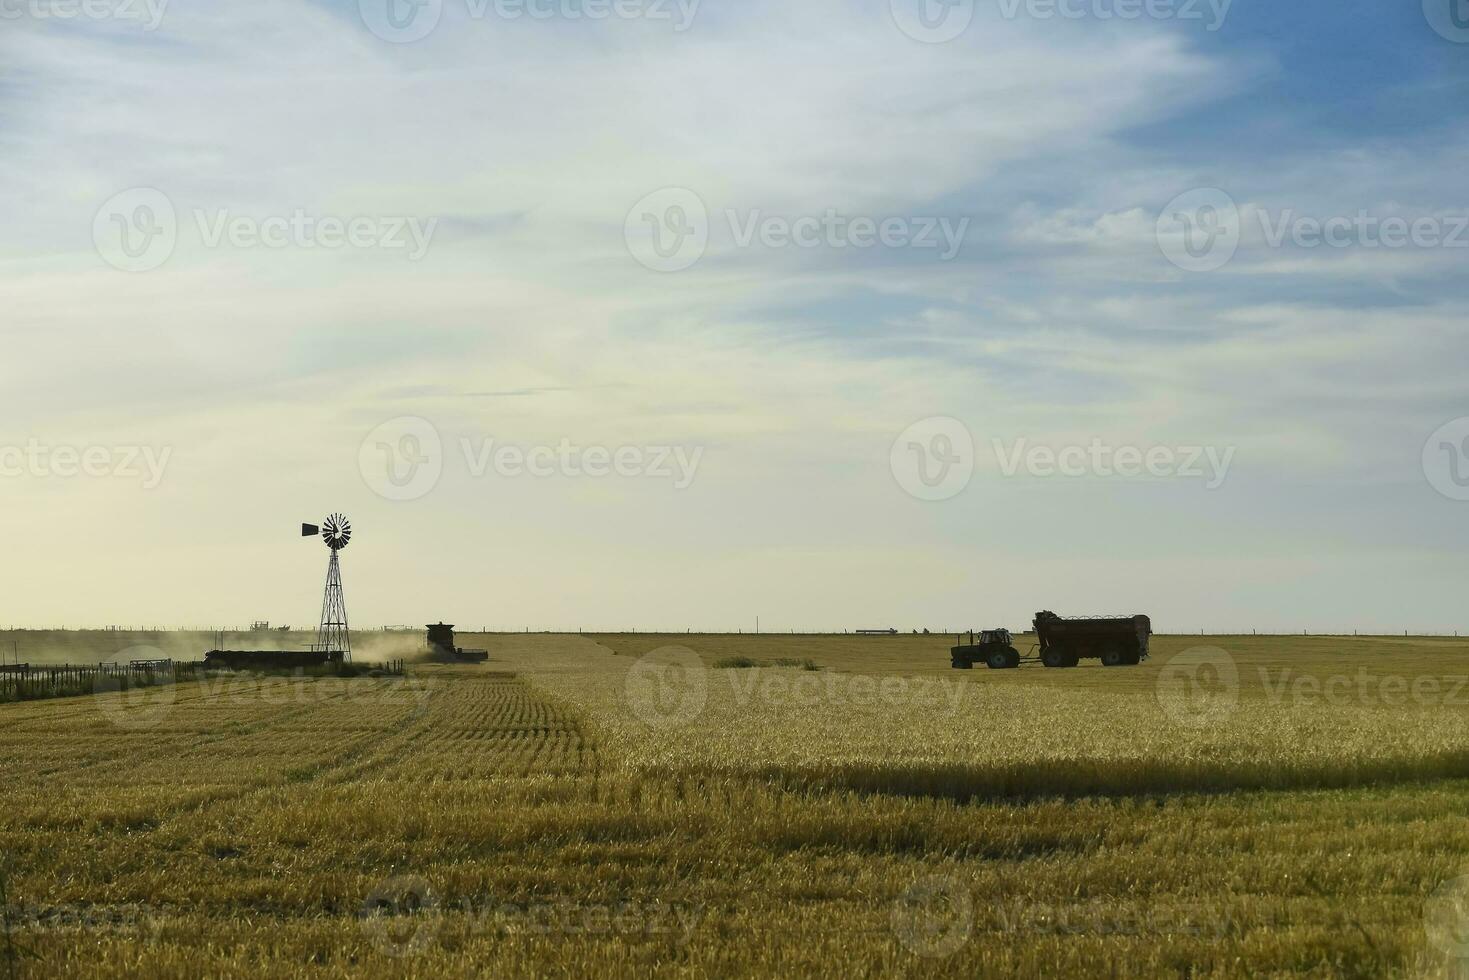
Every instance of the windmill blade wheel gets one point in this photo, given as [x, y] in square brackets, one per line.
[336, 531]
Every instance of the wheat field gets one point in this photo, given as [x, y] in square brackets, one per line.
[625, 806]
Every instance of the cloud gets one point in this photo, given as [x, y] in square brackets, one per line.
[530, 140]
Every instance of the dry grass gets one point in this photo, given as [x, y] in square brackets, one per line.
[545, 828]
[889, 715]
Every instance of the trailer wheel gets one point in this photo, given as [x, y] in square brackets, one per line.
[1056, 658]
[1113, 657]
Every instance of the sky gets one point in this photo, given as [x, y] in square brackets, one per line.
[652, 314]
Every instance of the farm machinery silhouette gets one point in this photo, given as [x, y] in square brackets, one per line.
[1117, 641]
[442, 649]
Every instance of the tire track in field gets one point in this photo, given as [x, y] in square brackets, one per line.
[331, 771]
[363, 742]
[509, 728]
[525, 742]
[225, 730]
[91, 708]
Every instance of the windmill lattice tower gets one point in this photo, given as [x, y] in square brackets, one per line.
[332, 637]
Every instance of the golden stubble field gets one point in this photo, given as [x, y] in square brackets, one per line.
[620, 805]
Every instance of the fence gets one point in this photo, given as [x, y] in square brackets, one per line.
[25, 682]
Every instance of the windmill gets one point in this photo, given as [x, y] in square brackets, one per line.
[332, 638]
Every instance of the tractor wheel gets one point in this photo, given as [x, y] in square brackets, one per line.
[1012, 658]
[1113, 657]
[997, 660]
[963, 664]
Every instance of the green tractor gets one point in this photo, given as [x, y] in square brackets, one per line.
[993, 648]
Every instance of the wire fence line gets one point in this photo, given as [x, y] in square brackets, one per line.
[34, 682]
[27, 682]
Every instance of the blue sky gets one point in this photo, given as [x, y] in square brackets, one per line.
[536, 148]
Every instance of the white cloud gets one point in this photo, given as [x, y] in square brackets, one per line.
[530, 141]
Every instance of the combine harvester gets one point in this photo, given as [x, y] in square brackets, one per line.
[1117, 641]
[442, 648]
